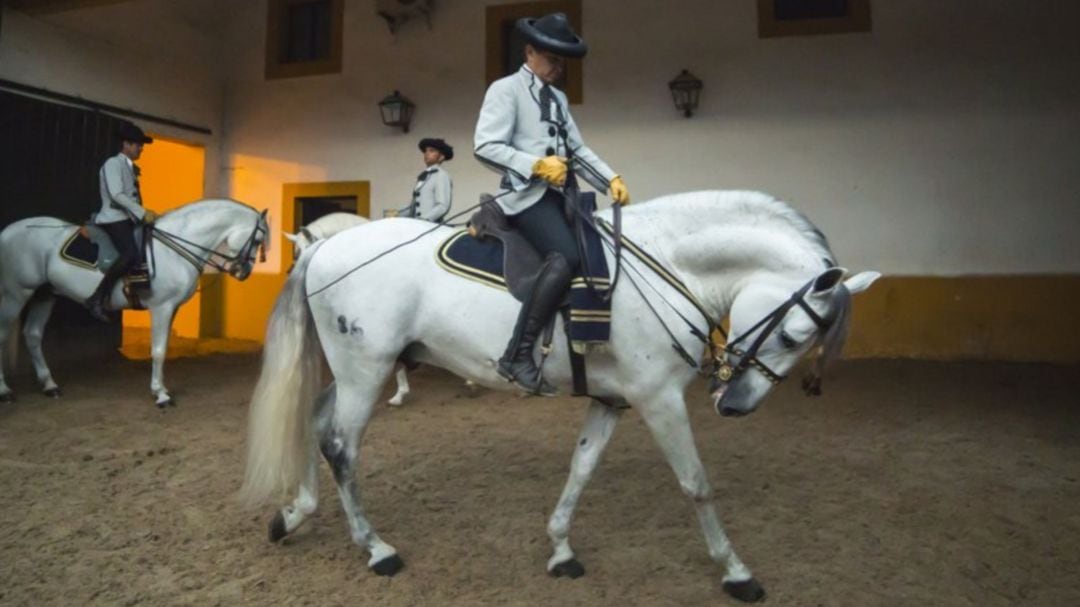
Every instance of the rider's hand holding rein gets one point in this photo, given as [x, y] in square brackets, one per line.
[149, 216]
[619, 193]
[551, 169]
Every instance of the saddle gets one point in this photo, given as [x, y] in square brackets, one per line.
[520, 261]
[493, 253]
[90, 248]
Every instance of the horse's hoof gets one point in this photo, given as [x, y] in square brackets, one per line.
[277, 528]
[572, 569]
[388, 566]
[7, 397]
[747, 591]
[52, 392]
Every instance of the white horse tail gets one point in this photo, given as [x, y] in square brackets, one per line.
[279, 429]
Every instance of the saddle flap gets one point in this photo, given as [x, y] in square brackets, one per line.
[88, 247]
[520, 260]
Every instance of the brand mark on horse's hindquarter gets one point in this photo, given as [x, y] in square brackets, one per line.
[342, 325]
[355, 329]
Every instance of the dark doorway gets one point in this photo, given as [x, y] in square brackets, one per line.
[50, 155]
[310, 208]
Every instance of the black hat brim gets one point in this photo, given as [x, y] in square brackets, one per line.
[571, 50]
[135, 137]
[443, 147]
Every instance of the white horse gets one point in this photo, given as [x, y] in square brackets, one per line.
[741, 255]
[325, 227]
[222, 233]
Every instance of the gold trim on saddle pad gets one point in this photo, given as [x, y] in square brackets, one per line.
[75, 261]
[464, 271]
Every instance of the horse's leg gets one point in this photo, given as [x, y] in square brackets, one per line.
[402, 387]
[11, 304]
[289, 518]
[595, 433]
[341, 448]
[37, 315]
[161, 319]
[667, 421]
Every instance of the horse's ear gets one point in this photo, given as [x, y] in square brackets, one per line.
[861, 281]
[828, 280]
[263, 213]
[289, 236]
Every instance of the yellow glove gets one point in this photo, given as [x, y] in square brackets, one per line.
[619, 191]
[551, 169]
[149, 216]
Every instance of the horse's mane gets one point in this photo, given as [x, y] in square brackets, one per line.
[192, 207]
[742, 207]
[749, 208]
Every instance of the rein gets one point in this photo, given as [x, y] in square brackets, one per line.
[200, 256]
[444, 223]
[724, 372]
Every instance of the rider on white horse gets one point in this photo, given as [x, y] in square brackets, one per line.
[434, 190]
[526, 133]
[121, 210]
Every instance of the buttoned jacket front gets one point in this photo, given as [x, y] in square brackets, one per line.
[120, 199]
[432, 195]
[514, 130]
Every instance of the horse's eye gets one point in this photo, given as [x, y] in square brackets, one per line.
[787, 340]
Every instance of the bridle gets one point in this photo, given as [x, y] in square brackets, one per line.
[724, 372]
[200, 256]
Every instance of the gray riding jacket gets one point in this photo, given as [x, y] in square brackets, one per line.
[120, 200]
[516, 128]
[432, 195]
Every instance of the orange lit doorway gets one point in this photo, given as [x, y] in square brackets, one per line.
[172, 175]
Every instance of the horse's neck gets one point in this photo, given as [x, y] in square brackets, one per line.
[206, 226]
[717, 259]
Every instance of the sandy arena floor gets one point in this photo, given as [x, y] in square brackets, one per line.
[905, 484]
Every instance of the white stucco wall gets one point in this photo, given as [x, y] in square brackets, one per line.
[144, 56]
[944, 142]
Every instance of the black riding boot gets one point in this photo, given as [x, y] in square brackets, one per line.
[96, 302]
[517, 363]
[122, 235]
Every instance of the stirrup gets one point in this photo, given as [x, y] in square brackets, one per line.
[542, 388]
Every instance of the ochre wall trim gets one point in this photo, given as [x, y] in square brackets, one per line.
[1014, 318]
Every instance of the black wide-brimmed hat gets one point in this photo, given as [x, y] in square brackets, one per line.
[553, 33]
[130, 132]
[438, 144]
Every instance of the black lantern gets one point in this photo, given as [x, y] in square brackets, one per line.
[397, 110]
[685, 90]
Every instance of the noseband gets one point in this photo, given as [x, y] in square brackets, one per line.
[724, 372]
[253, 241]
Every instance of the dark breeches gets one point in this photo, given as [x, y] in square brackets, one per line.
[544, 225]
[122, 234]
